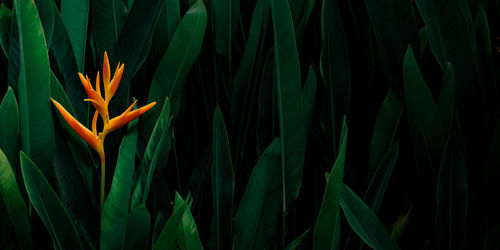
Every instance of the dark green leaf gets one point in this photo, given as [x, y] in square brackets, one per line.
[326, 229]
[9, 127]
[115, 210]
[75, 15]
[34, 78]
[395, 26]
[446, 101]
[309, 93]
[167, 237]
[156, 156]
[386, 126]
[257, 216]
[226, 16]
[290, 100]
[222, 174]
[49, 206]
[171, 74]
[188, 232]
[14, 203]
[452, 200]
[138, 229]
[364, 221]
[5, 26]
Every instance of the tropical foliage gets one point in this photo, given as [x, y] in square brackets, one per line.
[315, 124]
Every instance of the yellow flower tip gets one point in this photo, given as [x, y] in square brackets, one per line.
[81, 130]
[128, 116]
[105, 69]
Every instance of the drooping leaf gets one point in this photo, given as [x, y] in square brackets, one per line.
[222, 174]
[49, 206]
[364, 221]
[37, 139]
[386, 126]
[170, 76]
[290, 100]
[14, 203]
[257, 215]
[326, 230]
[116, 206]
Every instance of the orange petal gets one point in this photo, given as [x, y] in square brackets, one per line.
[87, 86]
[113, 86]
[94, 123]
[81, 130]
[97, 85]
[127, 116]
[105, 69]
[100, 106]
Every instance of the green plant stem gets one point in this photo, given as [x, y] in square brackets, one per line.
[103, 178]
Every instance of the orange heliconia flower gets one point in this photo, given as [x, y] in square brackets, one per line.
[100, 103]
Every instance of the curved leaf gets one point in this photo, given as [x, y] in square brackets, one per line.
[9, 127]
[16, 207]
[167, 238]
[34, 79]
[138, 229]
[327, 228]
[364, 222]
[49, 206]
[75, 15]
[188, 236]
[115, 210]
[257, 216]
[222, 174]
[170, 76]
[290, 101]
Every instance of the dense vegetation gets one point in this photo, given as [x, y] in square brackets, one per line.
[278, 124]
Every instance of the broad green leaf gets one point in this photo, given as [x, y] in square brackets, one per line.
[364, 221]
[75, 16]
[259, 209]
[452, 198]
[116, 206]
[105, 28]
[5, 27]
[267, 122]
[16, 208]
[170, 76]
[136, 33]
[188, 232]
[168, 239]
[65, 58]
[327, 227]
[309, 93]
[423, 115]
[156, 155]
[222, 174]
[386, 126]
[9, 127]
[225, 17]
[46, 12]
[380, 179]
[446, 100]
[14, 54]
[290, 101]
[334, 67]
[49, 206]
[395, 26]
[37, 137]
[173, 17]
[138, 229]
[77, 146]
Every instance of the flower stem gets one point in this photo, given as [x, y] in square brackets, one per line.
[103, 178]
